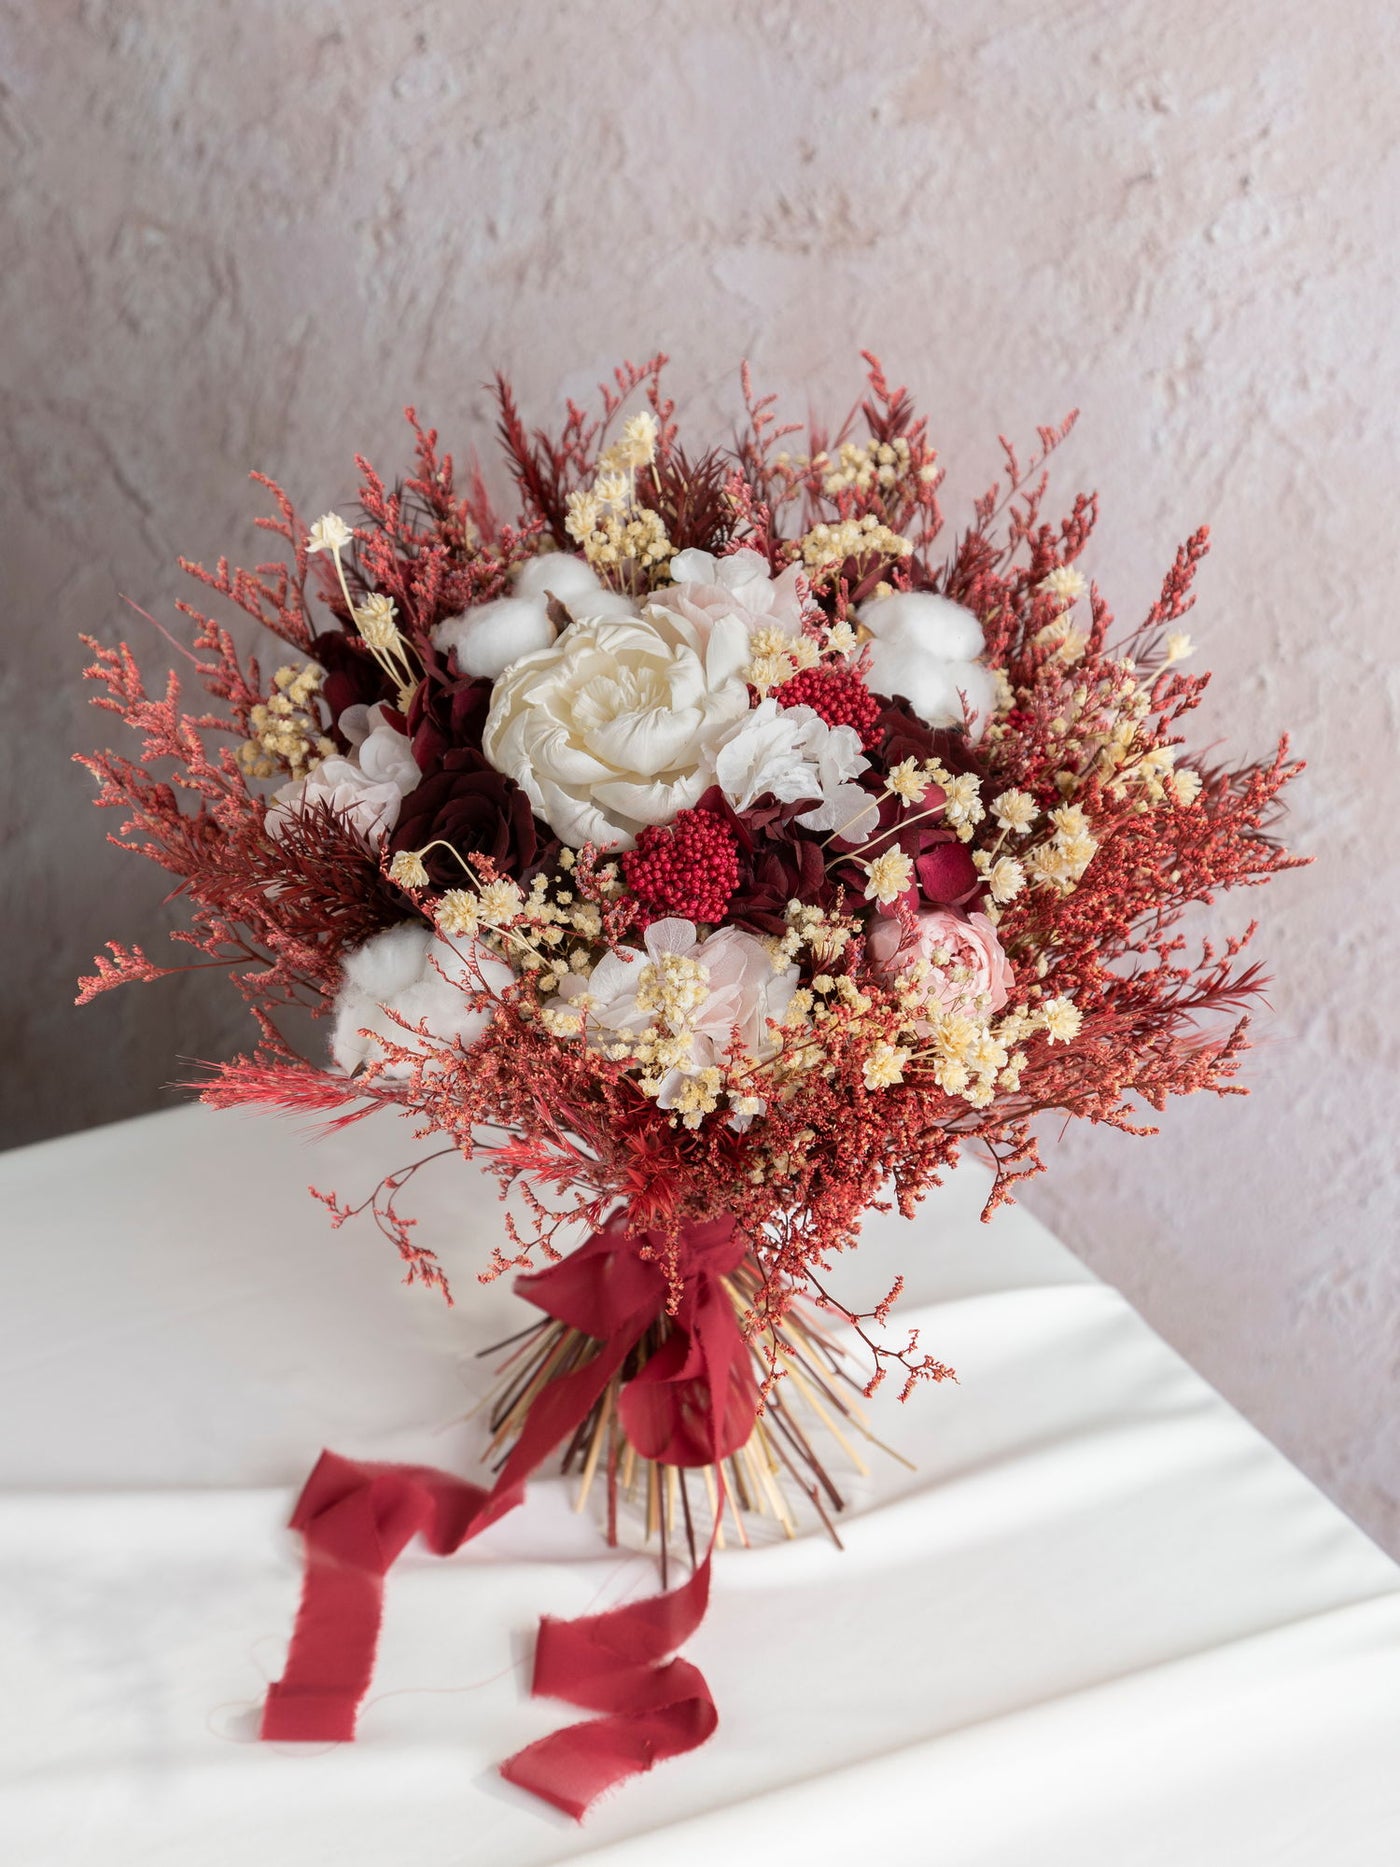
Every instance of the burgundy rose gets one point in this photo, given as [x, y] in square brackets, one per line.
[947, 878]
[778, 862]
[478, 811]
[447, 715]
[902, 734]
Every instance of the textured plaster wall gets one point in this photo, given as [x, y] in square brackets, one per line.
[243, 234]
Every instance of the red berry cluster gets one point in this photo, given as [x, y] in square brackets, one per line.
[839, 696]
[688, 867]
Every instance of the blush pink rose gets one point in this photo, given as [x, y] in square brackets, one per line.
[975, 967]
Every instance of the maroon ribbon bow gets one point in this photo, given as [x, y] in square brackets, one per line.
[692, 1402]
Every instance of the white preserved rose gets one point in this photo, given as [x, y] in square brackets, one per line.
[616, 725]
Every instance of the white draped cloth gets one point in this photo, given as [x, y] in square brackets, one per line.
[1102, 1624]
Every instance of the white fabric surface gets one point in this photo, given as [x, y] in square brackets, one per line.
[1104, 1622]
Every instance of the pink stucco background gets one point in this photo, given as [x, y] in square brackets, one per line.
[244, 234]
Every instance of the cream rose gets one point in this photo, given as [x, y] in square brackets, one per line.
[616, 725]
[968, 967]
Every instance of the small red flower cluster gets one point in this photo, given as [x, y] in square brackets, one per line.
[688, 867]
[837, 695]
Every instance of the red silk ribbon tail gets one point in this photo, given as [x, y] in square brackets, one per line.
[618, 1663]
[355, 1519]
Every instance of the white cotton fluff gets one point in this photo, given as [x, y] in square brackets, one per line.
[926, 648]
[493, 636]
[412, 971]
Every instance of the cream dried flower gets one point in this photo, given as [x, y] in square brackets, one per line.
[885, 1066]
[1065, 584]
[888, 876]
[909, 781]
[329, 533]
[501, 903]
[1006, 878]
[1014, 810]
[1185, 785]
[1062, 1019]
[375, 618]
[408, 869]
[458, 912]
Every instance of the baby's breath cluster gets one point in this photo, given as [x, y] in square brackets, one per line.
[286, 734]
[825, 547]
[604, 519]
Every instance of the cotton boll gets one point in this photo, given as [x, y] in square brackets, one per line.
[574, 583]
[412, 973]
[450, 972]
[941, 628]
[489, 638]
[494, 636]
[932, 686]
[557, 573]
[925, 648]
[388, 963]
[979, 684]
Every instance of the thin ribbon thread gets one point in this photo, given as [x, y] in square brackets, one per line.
[693, 1402]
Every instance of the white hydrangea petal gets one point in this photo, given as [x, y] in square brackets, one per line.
[846, 808]
[671, 935]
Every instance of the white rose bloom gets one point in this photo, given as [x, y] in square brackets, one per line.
[616, 725]
[490, 637]
[367, 787]
[742, 992]
[926, 647]
[793, 753]
[414, 971]
[737, 591]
